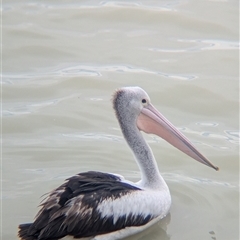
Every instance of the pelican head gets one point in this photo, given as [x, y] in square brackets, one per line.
[133, 109]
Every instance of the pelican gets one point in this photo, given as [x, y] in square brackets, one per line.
[100, 206]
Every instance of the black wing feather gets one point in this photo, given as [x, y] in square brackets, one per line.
[71, 209]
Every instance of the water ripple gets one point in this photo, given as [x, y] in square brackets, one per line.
[174, 177]
[109, 4]
[200, 45]
[207, 124]
[73, 71]
[95, 136]
[83, 71]
[231, 136]
[28, 108]
[166, 7]
[122, 69]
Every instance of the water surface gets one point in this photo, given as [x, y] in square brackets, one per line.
[61, 63]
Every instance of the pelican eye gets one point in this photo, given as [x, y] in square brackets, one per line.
[144, 100]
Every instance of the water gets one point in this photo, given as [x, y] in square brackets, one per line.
[61, 63]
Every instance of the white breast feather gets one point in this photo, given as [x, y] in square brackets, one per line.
[143, 203]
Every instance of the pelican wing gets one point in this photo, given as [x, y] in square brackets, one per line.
[73, 208]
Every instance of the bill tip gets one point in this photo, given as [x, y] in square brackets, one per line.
[216, 168]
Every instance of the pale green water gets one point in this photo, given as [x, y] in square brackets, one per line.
[62, 60]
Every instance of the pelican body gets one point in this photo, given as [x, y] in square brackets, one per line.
[97, 205]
